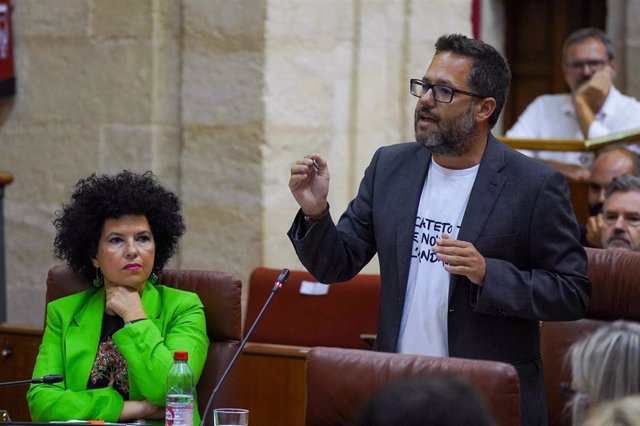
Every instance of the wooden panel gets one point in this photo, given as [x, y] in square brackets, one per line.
[546, 144]
[18, 352]
[579, 191]
[579, 200]
[272, 384]
[528, 47]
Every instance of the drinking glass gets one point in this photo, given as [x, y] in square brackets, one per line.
[230, 417]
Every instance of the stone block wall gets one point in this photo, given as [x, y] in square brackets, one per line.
[337, 83]
[219, 98]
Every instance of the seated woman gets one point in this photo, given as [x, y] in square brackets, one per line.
[605, 365]
[114, 343]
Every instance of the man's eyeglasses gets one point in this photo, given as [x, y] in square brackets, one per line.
[443, 94]
[596, 64]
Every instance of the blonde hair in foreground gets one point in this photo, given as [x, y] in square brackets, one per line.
[605, 365]
[619, 412]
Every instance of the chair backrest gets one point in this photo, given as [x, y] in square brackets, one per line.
[340, 381]
[220, 293]
[615, 280]
[338, 318]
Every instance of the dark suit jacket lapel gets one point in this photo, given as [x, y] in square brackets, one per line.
[486, 189]
[417, 168]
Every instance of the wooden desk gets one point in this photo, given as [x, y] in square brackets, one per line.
[18, 351]
[272, 384]
[272, 377]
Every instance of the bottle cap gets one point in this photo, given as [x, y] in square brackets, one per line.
[180, 356]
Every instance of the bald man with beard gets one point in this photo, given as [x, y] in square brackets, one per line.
[611, 162]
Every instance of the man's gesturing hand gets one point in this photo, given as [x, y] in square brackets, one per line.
[309, 184]
[461, 258]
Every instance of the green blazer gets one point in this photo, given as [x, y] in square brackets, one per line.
[72, 333]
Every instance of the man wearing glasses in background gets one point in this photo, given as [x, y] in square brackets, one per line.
[594, 107]
[477, 243]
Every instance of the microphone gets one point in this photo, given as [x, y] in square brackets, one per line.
[282, 278]
[48, 379]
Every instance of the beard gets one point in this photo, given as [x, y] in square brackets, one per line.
[620, 239]
[455, 135]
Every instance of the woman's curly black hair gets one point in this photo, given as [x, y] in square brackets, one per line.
[97, 198]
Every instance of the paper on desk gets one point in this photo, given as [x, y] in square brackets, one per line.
[312, 288]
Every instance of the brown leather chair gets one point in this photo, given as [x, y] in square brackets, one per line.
[615, 280]
[340, 381]
[220, 293]
[340, 318]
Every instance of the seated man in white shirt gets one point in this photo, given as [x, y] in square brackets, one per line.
[594, 107]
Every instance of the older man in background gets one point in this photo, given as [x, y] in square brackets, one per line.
[594, 108]
[610, 162]
[621, 214]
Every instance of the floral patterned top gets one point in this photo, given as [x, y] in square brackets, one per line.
[110, 367]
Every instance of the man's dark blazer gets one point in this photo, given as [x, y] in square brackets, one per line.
[519, 217]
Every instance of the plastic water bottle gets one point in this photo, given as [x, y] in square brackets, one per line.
[179, 407]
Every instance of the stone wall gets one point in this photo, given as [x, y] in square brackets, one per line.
[623, 17]
[98, 90]
[337, 83]
[219, 98]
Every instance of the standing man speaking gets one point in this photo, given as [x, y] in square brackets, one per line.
[477, 243]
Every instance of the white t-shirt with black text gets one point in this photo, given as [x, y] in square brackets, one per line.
[442, 205]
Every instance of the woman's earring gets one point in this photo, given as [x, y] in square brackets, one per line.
[97, 281]
[153, 278]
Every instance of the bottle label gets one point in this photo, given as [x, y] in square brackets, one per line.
[179, 413]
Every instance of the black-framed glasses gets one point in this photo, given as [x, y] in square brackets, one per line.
[443, 94]
[595, 64]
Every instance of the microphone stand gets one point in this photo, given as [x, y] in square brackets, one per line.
[282, 278]
[48, 379]
[17, 382]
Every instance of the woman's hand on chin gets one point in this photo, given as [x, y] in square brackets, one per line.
[124, 302]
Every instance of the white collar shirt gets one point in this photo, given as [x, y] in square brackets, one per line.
[554, 117]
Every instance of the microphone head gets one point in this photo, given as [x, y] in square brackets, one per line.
[50, 378]
[283, 276]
